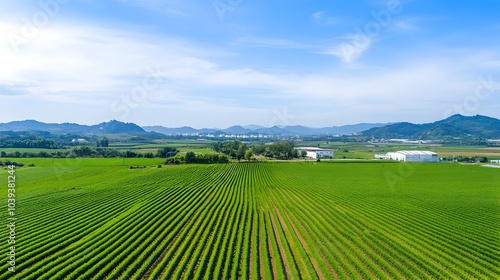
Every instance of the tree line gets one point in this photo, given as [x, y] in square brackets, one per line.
[191, 157]
[86, 151]
[240, 150]
[224, 151]
[31, 140]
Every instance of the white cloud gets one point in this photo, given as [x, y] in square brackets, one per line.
[76, 70]
[322, 17]
[351, 47]
[491, 64]
[256, 41]
[168, 7]
[404, 24]
[93, 60]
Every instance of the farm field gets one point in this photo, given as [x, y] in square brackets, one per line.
[71, 163]
[327, 220]
[162, 143]
[9, 150]
[367, 151]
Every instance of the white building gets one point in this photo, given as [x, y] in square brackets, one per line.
[381, 156]
[79, 140]
[317, 152]
[495, 161]
[413, 156]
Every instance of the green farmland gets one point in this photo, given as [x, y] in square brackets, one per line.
[71, 163]
[327, 220]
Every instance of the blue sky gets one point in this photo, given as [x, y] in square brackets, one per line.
[224, 62]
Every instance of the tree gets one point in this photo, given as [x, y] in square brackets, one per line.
[129, 154]
[259, 149]
[248, 154]
[82, 151]
[241, 151]
[217, 146]
[104, 142]
[190, 157]
[282, 149]
[167, 152]
[303, 153]
[234, 149]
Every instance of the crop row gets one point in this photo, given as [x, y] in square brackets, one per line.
[255, 221]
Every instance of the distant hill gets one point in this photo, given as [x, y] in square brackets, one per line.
[170, 131]
[274, 130]
[115, 127]
[356, 128]
[455, 126]
[237, 129]
[32, 125]
[112, 127]
[252, 126]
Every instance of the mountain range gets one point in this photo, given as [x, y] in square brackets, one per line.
[455, 126]
[274, 130]
[112, 127]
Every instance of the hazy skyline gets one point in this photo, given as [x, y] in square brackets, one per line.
[226, 62]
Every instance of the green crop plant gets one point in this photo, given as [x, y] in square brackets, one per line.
[98, 219]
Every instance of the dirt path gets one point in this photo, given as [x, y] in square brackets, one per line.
[491, 148]
[261, 253]
[332, 246]
[286, 263]
[292, 244]
[314, 262]
[158, 260]
[270, 249]
[469, 154]
[250, 251]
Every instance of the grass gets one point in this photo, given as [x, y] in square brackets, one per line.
[76, 162]
[184, 146]
[367, 151]
[197, 150]
[32, 150]
[342, 150]
[333, 220]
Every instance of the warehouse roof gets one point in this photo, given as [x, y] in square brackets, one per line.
[311, 149]
[416, 152]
